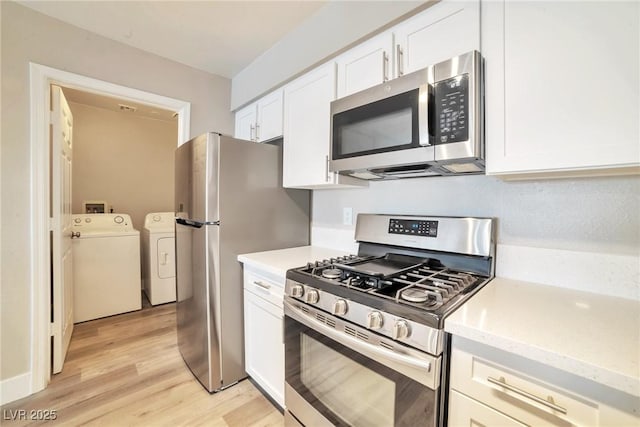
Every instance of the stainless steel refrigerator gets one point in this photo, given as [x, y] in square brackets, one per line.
[229, 200]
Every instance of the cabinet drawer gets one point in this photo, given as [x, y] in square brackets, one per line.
[524, 398]
[464, 411]
[264, 287]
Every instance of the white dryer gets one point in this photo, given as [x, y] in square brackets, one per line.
[158, 257]
[106, 266]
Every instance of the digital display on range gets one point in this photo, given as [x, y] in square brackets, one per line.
[413, 227]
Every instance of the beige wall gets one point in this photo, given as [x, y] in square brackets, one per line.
[29, 36]
[123, 159]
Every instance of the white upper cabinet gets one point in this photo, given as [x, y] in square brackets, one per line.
[442, 31]
[246, 122]
[562, 87]
[261, 120]
[366, 65]
[307, 125]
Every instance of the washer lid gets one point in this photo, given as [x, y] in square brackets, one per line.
[160, 222]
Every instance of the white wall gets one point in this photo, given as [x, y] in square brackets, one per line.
[123, 159]
[335, 27]
[588, 214]
[579, 219]
[29, 36]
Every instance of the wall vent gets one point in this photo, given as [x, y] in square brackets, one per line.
[127, 108]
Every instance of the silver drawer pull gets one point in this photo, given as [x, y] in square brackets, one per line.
[501, 382]
[262, 285]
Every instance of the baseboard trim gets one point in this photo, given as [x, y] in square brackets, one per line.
[14, 388]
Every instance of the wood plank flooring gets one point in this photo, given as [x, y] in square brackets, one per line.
[126, 370]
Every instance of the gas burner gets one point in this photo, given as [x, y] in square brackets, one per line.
[414, 295]
[331, 273]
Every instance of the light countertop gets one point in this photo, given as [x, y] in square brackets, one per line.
[279, 261]
[590, 335]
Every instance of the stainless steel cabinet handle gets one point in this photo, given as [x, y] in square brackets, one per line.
[399, 58]
[252, 130]
[385, 66]
[548, 402]
[326, 168]
[257, 132]
[262, 285]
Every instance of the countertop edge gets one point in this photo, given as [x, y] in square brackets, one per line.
[458, 325]
[627, 384]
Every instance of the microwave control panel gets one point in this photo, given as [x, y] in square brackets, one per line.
[414, 227]
[452, 110]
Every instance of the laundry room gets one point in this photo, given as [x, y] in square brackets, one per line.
[123, 177]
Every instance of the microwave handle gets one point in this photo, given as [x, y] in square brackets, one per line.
[424, 98]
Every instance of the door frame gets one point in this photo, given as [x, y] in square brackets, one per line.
[40, 79]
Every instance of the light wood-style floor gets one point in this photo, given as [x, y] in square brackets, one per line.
[126, 370]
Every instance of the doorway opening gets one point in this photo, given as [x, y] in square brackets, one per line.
[41, 79]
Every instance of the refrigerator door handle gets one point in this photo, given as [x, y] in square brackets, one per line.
[195, 224]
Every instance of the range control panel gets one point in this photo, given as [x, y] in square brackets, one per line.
[413, 227]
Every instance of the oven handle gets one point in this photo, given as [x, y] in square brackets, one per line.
[417, 369]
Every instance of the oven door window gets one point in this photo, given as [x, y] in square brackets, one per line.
[386, 125]
[349, 389]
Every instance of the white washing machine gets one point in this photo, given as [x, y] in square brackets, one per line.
[106, 266]
[158, 257]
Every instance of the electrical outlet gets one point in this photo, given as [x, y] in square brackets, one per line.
[347, 216]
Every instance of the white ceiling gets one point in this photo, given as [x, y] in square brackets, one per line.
[220, 37]
[113, 104]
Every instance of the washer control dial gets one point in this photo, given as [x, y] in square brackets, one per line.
[118, 219]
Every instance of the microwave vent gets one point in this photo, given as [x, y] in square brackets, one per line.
[462, 168]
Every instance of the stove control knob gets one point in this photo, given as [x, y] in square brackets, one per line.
[312, 296]
[374, 320]
[297, 291]
[401, 330]
[340, 307]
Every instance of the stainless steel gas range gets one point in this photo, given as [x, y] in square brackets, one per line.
[364, 334]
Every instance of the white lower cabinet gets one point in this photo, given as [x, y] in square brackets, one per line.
[465, 411]
[493, 387]
[263, 325]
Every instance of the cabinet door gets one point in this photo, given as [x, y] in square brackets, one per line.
[465, 412]
[246, 123]
[269, 123]
[568, 99]
[306, 128]
[366, 65]
[264, 344]
[444, 30]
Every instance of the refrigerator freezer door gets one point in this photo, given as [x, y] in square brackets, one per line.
[197, 290]
[196, 183]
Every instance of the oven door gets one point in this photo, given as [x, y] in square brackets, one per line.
[384, 126]
[335, 377]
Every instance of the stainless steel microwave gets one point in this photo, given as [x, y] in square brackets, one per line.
[426, 123]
